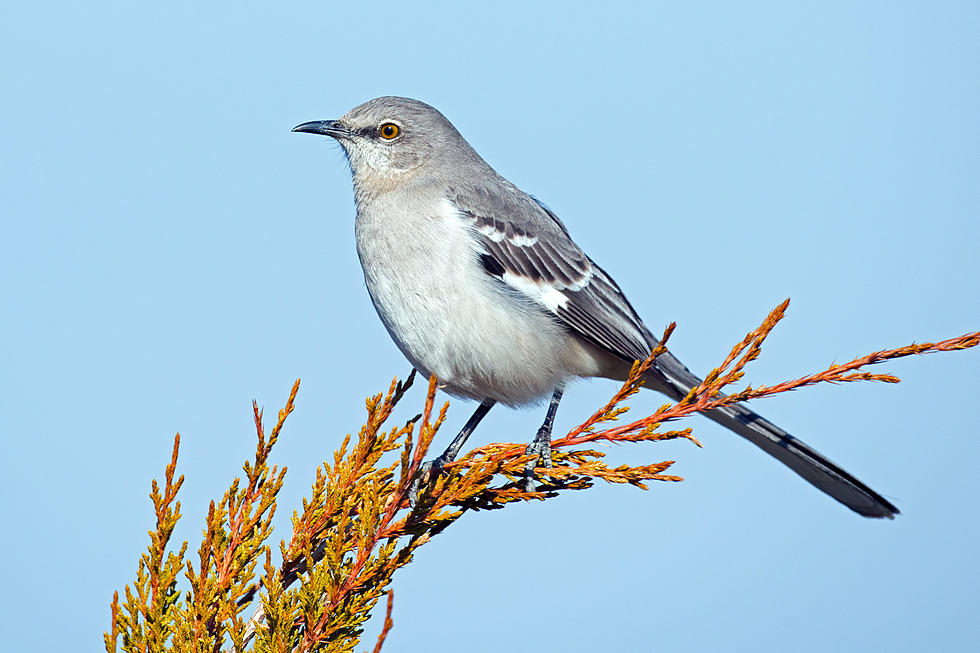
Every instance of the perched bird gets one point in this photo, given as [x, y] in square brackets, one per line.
[481, 285]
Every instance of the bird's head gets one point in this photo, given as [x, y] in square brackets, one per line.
[389, 139]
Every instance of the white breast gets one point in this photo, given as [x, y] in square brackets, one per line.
[447, 315]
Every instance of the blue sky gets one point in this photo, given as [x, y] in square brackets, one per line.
[171, 251]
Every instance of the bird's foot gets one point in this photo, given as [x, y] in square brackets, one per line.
[427, 471]
[540, 448]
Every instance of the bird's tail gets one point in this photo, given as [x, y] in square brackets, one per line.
[819, 471]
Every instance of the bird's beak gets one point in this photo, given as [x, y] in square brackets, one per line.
[333, 128]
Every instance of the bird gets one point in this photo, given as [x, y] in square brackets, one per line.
[481, 285]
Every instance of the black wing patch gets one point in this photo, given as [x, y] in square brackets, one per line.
[492, 266]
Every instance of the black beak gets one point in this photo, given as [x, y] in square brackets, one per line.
[331, 128]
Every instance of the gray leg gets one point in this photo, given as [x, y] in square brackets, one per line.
[541, 445]
[449, 455]
[452, 450]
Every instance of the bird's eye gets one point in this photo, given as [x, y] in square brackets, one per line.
[389, 130]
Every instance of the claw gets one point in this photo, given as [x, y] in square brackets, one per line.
[540, 447]
[427, 470]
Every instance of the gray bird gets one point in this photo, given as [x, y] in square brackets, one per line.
[481, 285]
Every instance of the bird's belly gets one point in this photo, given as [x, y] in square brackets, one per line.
[453, 320]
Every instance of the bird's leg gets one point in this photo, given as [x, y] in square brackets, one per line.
[435, 466]
[541, 445]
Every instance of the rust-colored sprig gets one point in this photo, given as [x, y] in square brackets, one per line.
[357, 528]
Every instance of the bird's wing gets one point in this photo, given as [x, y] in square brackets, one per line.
[528, 248]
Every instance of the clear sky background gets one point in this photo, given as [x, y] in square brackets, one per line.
[171, 250]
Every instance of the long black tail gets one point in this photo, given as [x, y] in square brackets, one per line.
[675, 380]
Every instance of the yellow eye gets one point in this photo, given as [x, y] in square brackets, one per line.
[389, 130]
